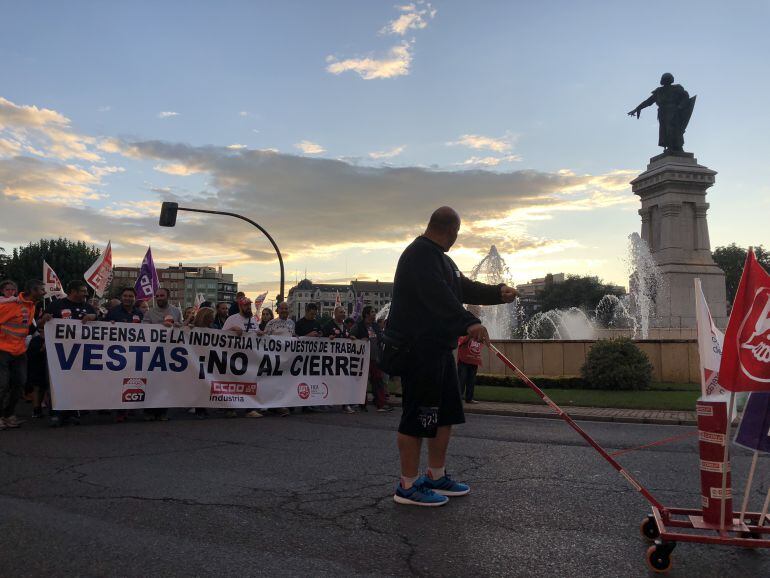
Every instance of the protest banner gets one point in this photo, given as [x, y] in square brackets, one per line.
[126, 366]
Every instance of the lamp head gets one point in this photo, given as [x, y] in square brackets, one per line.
[168, 214]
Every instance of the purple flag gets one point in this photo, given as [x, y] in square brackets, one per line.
[147, 283]
[358, 307]
[754, 431]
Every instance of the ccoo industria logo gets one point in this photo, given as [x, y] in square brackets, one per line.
[232, 391]
[133, 389]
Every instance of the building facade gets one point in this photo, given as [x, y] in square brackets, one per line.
[184, 283]
[171, 278]
[529, 299]
[374, 293]
[211, 283]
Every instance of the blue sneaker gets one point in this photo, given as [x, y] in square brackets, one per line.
[418, 495]
[446, 486]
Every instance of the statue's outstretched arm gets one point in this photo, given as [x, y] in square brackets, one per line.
[639, 108]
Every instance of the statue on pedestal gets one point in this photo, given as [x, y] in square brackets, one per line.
[674, 110]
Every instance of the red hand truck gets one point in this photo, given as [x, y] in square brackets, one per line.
[666, 526]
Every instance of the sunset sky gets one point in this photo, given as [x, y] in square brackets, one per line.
[339, 127]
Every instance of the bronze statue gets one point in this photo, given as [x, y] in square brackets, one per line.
[674, 111]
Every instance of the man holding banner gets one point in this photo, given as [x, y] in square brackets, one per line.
[163, 313]
[427, 310]
[73, 306]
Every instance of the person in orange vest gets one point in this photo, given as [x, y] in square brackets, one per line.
[16, 316]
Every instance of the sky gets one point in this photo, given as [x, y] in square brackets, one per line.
[340, 126]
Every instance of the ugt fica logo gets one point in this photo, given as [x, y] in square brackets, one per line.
[314, 390]
[754, 338]
[134, 389]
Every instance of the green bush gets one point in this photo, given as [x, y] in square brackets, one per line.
[617, 364]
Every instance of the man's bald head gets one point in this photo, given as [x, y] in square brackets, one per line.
[443, 227]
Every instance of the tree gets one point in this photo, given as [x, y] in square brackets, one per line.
[583, 292]
[3, 263]
[70, 259]
[731, 258]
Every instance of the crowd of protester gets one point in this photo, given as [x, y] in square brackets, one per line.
[23, 364]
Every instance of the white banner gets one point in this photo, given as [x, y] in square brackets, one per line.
[710, 340]
[101, 365]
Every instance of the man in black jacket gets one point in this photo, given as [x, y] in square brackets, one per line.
[427, 309]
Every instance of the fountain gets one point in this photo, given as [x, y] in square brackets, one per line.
[646, 283]
[612, 313]
[500, 320]
[632, 312]
[559, 324]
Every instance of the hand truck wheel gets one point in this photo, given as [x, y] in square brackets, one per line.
[649, 528]
[659, 556]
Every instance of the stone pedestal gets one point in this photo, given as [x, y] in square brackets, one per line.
[675, 228]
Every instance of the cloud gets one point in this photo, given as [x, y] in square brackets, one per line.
[347, 206]
[310, 148]
[176, 169]
[235, 147]
[15, 116]
[489, 161]
[497, 144]
[413, 17]
[383, 206]
[44, 132]
[398, 59]
[387, 154]
[395, 63]
[104, 109]
[167, 114]
[37, 180]
[9, 147]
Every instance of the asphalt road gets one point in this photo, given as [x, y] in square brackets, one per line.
[311, 495]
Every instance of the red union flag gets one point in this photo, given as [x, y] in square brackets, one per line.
[53, 286]
[258, 302]
[746, 354]
[99, 274]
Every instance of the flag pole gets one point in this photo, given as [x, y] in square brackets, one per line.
[749, 483]
[764, 510]
[726, 464]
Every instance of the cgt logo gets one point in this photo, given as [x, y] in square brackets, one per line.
[314, 390]
[754, 338]
[134, 391]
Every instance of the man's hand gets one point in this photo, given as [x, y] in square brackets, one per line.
[508, 294]
[636, 112]
[88, 318]
[478, 332]
[236, 330]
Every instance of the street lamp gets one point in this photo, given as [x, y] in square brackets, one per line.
[168, 211]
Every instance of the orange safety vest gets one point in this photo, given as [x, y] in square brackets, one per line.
[15, 319]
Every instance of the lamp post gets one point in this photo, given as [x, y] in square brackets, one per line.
[168, 211]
